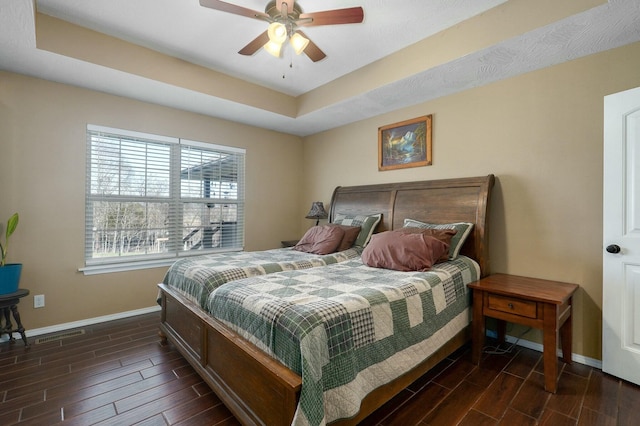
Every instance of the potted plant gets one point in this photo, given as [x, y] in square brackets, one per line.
[9, 272]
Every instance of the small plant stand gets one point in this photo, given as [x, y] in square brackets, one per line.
[9, 306]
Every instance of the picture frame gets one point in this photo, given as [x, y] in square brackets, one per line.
[405, 144]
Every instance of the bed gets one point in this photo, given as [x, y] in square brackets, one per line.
[252, 379]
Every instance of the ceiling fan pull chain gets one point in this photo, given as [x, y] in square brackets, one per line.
[284, 74]
[290, 66]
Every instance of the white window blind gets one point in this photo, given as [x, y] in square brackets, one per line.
[152, 197]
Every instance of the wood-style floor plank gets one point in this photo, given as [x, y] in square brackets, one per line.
[602, 394]
[476, 418]
[529, 400]
[453, 408]
[497, 399]
[413, 410]
[117, 373]
[569, 396]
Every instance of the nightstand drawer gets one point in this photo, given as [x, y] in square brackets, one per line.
[512, 305]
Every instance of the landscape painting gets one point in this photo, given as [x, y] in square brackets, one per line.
[405, 144]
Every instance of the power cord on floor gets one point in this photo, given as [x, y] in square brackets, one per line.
[496, 350]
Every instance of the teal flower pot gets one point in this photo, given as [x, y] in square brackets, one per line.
[10, 277]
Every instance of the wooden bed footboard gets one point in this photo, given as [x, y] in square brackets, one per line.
[257, 389]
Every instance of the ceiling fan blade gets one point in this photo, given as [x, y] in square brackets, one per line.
[255, 44]
[351, 15]
[232, 8]
[312, 50]
[289, 4]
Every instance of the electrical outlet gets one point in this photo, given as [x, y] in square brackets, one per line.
[38, 301]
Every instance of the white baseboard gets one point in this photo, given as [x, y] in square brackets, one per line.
[591, 362]
[82, 323]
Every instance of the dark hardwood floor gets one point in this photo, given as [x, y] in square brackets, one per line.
[117, 373]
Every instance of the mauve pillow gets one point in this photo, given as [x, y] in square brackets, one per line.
[320, 240]
[403, 251]
[458, 240]
[444, 235]
[350, 235]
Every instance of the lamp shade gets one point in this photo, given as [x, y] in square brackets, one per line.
[317, 211]
[273, 48]
[277, 32]
[299, 43]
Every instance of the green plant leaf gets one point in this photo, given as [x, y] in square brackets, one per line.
[12, 224]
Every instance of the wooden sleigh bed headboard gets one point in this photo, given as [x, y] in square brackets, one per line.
[258, 389]
[437, 201]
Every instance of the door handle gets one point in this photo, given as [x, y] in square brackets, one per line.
[613, 248]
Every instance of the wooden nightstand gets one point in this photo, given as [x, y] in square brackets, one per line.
[289, 243]
[529, 301]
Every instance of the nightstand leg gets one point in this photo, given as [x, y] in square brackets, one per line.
[501, 331]
[478, 328]
[566, 336]
[550, 343]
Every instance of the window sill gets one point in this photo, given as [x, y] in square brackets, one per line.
[107, 268]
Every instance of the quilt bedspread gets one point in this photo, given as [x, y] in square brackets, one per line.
[196, 277]
[347, 328]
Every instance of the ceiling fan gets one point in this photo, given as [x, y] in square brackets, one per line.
[285, 17]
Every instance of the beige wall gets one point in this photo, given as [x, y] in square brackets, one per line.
[541, 135]
[42, 176]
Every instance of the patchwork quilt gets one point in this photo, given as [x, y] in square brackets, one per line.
[347, 328]
[197, 276]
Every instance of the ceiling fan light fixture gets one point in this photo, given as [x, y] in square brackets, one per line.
[299, 43]
[277, 32]
[273, 48]
[284, 17]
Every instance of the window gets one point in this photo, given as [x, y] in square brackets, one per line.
[151, 198]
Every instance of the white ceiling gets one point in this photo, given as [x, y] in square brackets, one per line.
[210, 38]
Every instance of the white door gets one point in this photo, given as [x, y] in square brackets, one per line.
[621, 245]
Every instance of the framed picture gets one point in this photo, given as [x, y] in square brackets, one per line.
[405, 144]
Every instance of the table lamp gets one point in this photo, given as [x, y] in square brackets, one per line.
[317, 212]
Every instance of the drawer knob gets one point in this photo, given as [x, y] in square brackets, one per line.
[510, 305]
